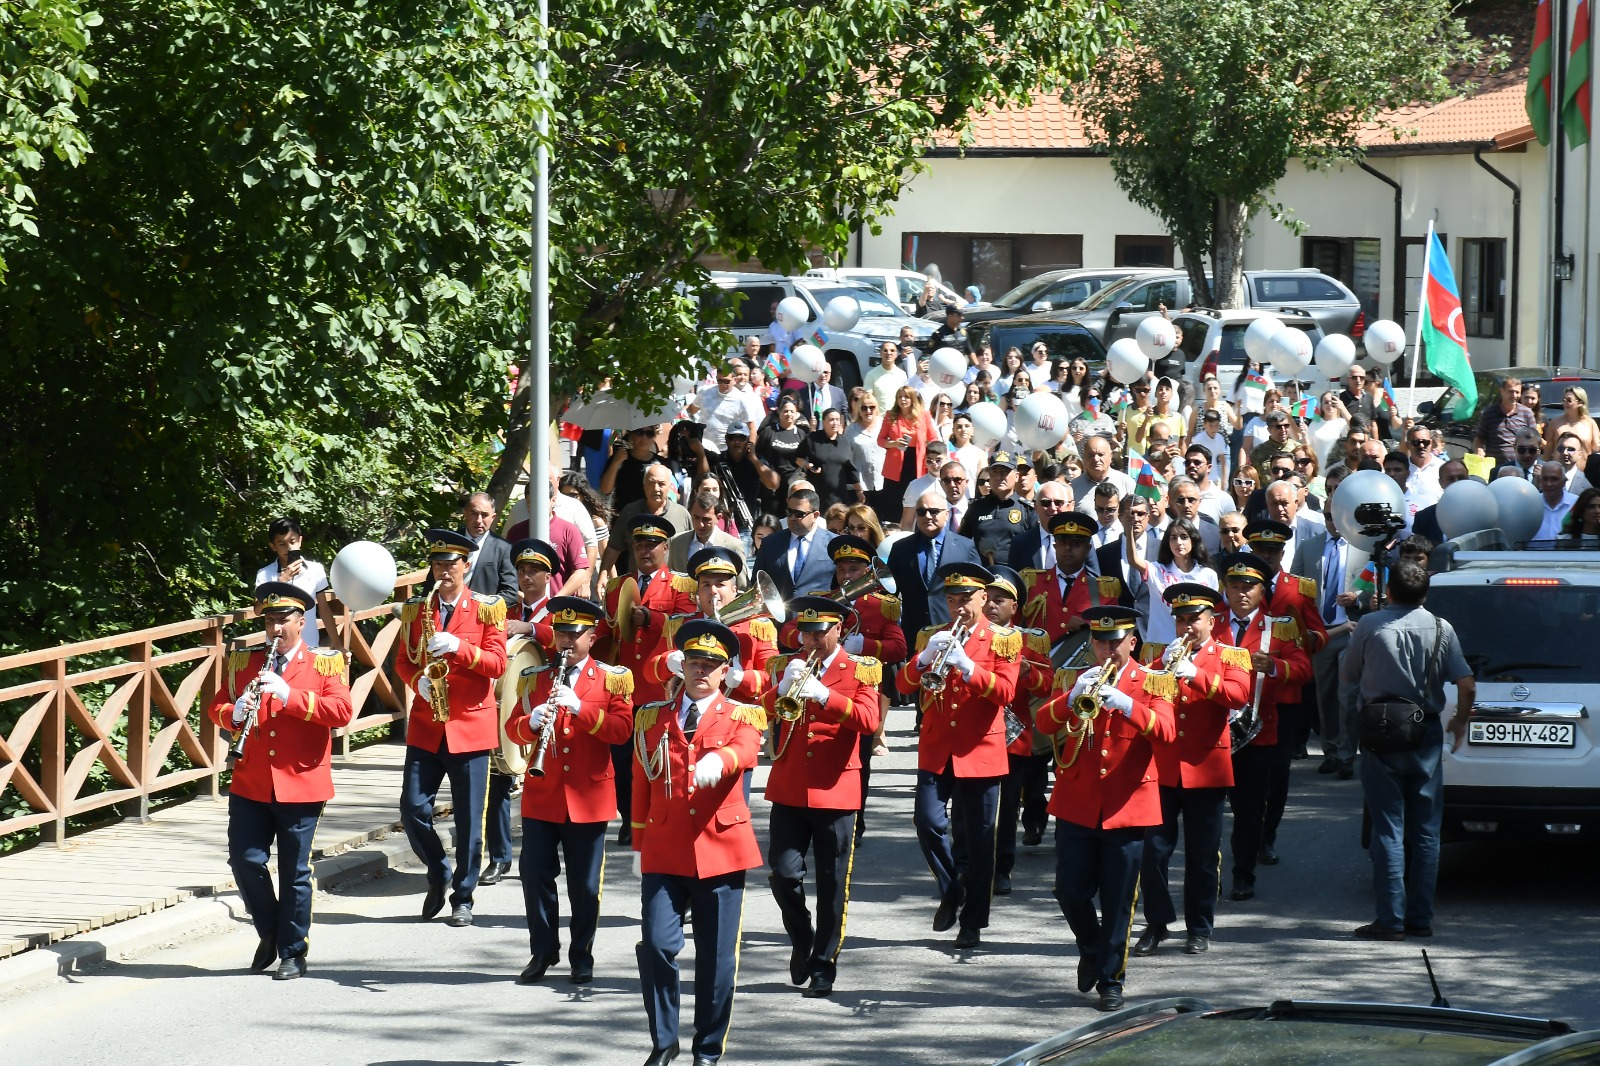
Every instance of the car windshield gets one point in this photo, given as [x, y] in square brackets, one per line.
[874, 304]
[1528, 633]
[1111, 293]
[1023, 294]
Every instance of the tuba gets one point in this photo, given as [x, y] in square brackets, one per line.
[761, 598]
[523, 656]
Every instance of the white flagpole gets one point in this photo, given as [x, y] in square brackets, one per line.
[1422, 311]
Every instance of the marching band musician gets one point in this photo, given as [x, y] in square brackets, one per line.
[565, 811]
[693, 840]
[662, 594]
[1106, 793]
[961, 753]
[1294, 597]
[468, 637]
[1196, 770]
[1278, 674]
[1023, 790]
[535, 563]
[815, 786]
[283, 778]
[1054, 600]
[716, 575]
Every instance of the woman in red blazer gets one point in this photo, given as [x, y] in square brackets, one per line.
[904, 435]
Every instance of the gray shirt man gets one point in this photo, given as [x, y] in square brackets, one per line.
[1389, 655]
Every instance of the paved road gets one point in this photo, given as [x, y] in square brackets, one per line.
[1516, 931]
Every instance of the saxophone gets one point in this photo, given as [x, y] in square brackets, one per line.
[437, 670]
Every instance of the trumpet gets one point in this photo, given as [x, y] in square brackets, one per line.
[536, 767]
[437, 670]
[933, 680]
[1176, 652]
[252, 696]
[788, 705]
[1086, 707]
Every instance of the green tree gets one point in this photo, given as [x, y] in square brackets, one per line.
[1203, 113]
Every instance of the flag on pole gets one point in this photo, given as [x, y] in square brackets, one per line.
[1540, 64]
[1575, 101]
[1303, 409]
[1146, 481]
[1386, 398]
[1442, 329]
[1117, 401]
[1256, 381]
[1366, 581]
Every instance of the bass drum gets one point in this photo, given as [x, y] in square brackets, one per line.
[522, 655]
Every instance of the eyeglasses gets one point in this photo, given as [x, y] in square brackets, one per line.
[724, 381]
[983, 482]
[1186, 499]
[1244, 482]
[795, 513]
[930, 512]
[1303, 462]
[1050, 504]
[953, 480]
[1106, 510]
[1527, 451]
[1421, 442]
[869, 407]
[1141, 388]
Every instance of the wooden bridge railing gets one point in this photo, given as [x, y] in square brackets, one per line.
[157, 683]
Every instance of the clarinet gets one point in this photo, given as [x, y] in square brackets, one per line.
[252, 697]
[536, 767]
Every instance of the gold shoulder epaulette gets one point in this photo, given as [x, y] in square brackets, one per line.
[1038, 641]
[644, 719]
[1285, 629]
[684, 583]
[778, 664]
[1006, 642]
[1030, 575]
[1110, 588]
[619, 680]
[1234, 656]
[328, 661]
[923, 634]
[410, 609]
[869, 671]
[1159, 684]
[491, 611]
[750, 714]
[528, 679]
[762, 629]
[1065, 679]
[1308, 588]
[238, 659]
[670, 628]
[889, 607]
[1150, 651]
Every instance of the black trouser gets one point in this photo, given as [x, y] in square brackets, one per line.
[622, 765]
[497, 820]
[830, 835]
[973, 802]
[1201, 811]
[543, 846]
[1247, 799]
[1026, 772]
[1103, 862]
[865, 749]
[1290, 720]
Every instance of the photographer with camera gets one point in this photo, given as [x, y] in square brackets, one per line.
[290, 564]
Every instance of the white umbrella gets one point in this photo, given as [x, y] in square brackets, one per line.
[606, 411]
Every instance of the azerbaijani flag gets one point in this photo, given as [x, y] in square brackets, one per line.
[1303, 408]
[1575, 102]
[1255, 379]
[1146, 481]
[1443, 330]
[777, 364]
[1366, 581]
[1540, 64]
[1387, 399]
[1117, 401]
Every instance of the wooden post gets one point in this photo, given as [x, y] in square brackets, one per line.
[139, 731]
[210, 735]
[53, 752]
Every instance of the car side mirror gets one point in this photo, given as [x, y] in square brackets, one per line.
[1041, 305]
[1425, 407]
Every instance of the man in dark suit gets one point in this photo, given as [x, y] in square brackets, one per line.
[489, 569]
[1035, 549]
[796, 558]
[821, 396]
[1426, 522]
[1111, 560]
[913, 561]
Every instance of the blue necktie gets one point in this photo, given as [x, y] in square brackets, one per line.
[799, 560]
[1332, 579]
[930, 562]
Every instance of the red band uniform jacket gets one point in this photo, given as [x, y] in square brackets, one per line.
[476, 664]
[1292, 667]
[680, 829]
[1043, 606]
[287, 757]
[1035, 678]
[1201, 755]
[1297, 598]
[878, 623]
[668, 594]
[758, 643]
[818, 764]
[1114, 783]
[579, 783]
[964, 726]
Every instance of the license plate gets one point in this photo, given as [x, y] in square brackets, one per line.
[1523, 734]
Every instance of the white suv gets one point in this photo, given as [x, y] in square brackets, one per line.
[904, 287]
[1530, 764]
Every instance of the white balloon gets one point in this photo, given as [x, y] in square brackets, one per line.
[806, 363]
[889, 542]
[1466, 507]
[1363, 486]
[988, 424]
[1041, 421]
[1385, 341]
[1155, 337]
[1335, 353]
[1258, 333]
[1125, 362]
[947, 367]
[362, 575]
[1521, 508]
[841, 314]
[956, 393]
[1290, 351]
[792, 311]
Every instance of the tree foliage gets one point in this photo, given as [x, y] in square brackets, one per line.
[1204, 111]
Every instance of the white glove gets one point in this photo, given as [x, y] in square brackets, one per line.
[539, 716]
[1086, 681]
[675, 663]
[1116, 699]
[854, 643]
[240, 711]
[425, 688]
[935, 642]
[796, 667]
[564, 696]
[638, 864]
[814, 689]
[443, 644]
[708, 771]
[960, 661]
[1168, 652]
[735, 674]
[275, 685]
[1185, 669]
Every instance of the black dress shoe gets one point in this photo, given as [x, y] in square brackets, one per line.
[494, 873]
[534, 971]
[290, 968]
[945, 916]
[1110, 1000]
[821, 985]
[799, 964]
[625, 839]
[1374, 931]
[1329, 764]
[1196, 944]
[461, 917]
[1301, 752]
[661, 1056]
[1002, 885]
[969, 937]
[1347, 769]
[1419, 930]
[433, 902]
[1032, 837]
[266, 954]
[1149, 941]
[704, 1060]
[1088, 972]
[1267, 856]
[582, 973]
[1242, 890]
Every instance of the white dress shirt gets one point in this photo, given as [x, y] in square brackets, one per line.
[1550, 528]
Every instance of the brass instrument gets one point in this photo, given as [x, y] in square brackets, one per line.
[1184, 648]
[876, 579]
[1072, 652]
[933, 680]
[436, 670]
[761, 598]
[1086, 707]
[252, 698]
[1247, 725]
[523, 656]
[622, 621]
[536, 767]
[788, 706]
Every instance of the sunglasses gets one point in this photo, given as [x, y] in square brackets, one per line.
[1283, 472]
[930, 512]
[1186, 499]
[1303, 462]
[793, 513]
[1527, 451]
[1422, 442]
[953, 480]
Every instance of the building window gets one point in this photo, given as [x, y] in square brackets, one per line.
[1483, 286]
[1356, 261]
[1143, 251]
[995, 262]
